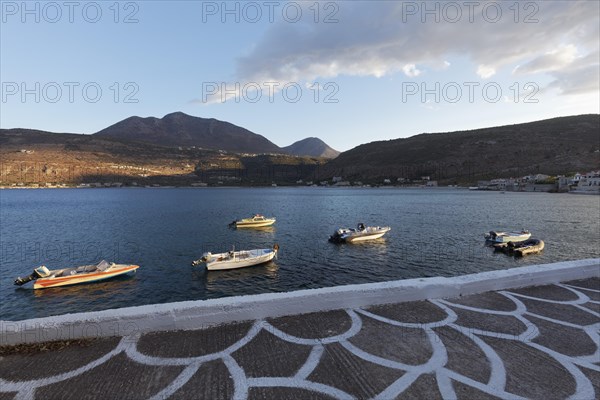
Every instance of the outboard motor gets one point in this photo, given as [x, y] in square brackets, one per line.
[37, 273]
[21, 281]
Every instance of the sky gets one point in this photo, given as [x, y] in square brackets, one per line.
[348, 72]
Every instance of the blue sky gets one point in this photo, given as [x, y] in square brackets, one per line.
[381, 69]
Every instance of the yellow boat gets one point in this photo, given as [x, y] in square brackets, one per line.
[257, 221]
[45, 278]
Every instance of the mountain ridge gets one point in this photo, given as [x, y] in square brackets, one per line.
[556, 145]
[311, 146]
[553, 146]
[180, 129]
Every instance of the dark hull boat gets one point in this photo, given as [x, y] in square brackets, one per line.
[519, 249]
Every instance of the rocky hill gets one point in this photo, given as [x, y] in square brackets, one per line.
[179, 129]
[30, 157]
[553, 146]
[313, 147]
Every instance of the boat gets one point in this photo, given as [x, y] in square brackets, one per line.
[257, 221]
[237, 259]
[45, 278]
[505, 237]
[360, 234]
[529, 246]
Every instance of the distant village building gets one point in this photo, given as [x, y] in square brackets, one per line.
[336, 179]
[564, 183]
[497, 184]
[589, 183]
[387, 181]
[432, 184]
[483, 184]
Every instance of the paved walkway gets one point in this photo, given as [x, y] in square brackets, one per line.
[538, 342]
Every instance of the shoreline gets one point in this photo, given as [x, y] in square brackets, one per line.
[460, 188]
[196, 314]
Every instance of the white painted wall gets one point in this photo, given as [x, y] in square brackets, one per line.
[199, 314]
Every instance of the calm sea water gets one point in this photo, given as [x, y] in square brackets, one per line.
[435, 232]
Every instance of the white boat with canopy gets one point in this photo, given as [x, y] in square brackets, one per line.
[505, 237]
[360, 234]
[237, 259]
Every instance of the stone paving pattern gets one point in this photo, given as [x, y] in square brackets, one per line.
[537, 342]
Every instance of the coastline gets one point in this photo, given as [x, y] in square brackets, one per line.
[198, 314]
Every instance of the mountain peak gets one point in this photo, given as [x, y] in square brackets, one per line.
[180, 129]
[311, 146]
[177, 114]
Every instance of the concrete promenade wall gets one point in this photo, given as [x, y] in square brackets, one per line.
[204, 313]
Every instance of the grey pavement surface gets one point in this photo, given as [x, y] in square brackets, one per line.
[539, 342]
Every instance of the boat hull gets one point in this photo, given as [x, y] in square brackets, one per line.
[505, 237]
[254, 258]
[76, 279]
[353, 236]
[365, 238]
[530, 246]
[531, 249]
[258, 224]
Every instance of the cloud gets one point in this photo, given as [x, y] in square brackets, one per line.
[485, 71]
[384, 39]
[411, 70]
[581, 76]
[551, 61]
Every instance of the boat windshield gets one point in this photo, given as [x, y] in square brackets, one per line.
[102, 265]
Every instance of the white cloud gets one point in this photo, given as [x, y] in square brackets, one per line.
[551, 61]
[577, 81]
[379, 39]
[411, 70]
[485, 71]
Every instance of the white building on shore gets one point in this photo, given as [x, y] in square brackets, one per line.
[589, 183]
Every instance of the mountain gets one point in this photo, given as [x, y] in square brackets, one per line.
[553, 146]
[562, 145]
[179, 129]
[32, 157]
[313, 147]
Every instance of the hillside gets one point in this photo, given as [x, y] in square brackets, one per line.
[179, 129]
[554, 146]
[313, 147]
[30, 157]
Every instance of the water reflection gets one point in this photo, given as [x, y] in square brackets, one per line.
[214, 278]
[265, 232]
[434, 233]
